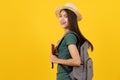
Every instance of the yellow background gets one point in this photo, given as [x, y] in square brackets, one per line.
[28, 27]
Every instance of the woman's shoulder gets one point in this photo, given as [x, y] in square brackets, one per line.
[70, 35]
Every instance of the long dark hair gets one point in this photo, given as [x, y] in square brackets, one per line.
[73, 26]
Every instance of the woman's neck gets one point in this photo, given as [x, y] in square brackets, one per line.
[67, 30]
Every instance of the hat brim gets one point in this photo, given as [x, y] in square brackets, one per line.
[58, 9]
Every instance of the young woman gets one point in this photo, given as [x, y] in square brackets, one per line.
[68, 54]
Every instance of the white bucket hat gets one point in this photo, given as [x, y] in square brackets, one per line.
[69, 6]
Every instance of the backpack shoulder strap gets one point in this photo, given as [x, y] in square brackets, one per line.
[57, 46]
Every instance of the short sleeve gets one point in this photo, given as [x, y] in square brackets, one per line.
[70, 39]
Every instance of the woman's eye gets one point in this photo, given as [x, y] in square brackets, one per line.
[65, 16]
[60, 16]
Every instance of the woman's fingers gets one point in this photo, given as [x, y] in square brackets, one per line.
[53, 58]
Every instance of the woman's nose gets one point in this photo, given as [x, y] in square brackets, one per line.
[62, 18]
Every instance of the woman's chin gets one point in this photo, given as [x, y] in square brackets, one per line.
[63, 26]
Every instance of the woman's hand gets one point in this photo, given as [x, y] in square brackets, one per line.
[54, 58]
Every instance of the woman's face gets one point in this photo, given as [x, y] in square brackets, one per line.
[63, 18]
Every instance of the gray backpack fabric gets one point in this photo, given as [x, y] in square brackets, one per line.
[85, 70]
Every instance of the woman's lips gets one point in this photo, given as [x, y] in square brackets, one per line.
[63, 23]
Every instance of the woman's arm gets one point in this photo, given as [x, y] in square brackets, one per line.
[74, 61]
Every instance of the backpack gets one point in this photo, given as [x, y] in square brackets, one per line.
[85, 70]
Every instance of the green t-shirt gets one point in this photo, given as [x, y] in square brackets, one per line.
[63, 53]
